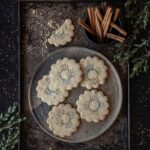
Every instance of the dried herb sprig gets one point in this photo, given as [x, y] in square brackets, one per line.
[9, 128]
[136, 49]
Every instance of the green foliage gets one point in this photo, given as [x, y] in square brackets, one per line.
[9, 128]
[136, 49]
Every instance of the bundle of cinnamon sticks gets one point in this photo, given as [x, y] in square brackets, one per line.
[102, 21]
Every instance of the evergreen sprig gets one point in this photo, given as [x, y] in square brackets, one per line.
[9, 128]
[136, 49]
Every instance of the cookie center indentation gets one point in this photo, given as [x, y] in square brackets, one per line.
[65, 118]
[94, 105]
[92, 74]
[51, 87]
[65, 74]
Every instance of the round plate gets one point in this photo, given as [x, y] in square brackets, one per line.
[112, 89]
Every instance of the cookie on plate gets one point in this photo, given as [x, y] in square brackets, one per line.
[48, 93]
[62, 35]
[65, 74]
[93, 106]
[63, 120]
[94, 72]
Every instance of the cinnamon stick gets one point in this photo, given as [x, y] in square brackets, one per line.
[119, 29]
[115, 26]
[109, 9]
[115, 37]
[98, 14]
[86, 27]
[98, 27]
[93, 18]
[107, 24]
[90, 16]
[117, 12]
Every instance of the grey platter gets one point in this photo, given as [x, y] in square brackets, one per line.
[112, 88]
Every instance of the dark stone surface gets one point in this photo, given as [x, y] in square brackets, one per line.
[9, 53]
[9, 81]
[140, 111]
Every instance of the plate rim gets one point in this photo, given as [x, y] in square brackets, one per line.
[119, 85]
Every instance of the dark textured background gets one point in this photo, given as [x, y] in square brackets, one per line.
[9, 53]
[9, 78]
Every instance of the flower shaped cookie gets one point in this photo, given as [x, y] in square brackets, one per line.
[65, 74]
[49, 94]
[62, 35]
[93, 106]
[63, 120]
[94, 72]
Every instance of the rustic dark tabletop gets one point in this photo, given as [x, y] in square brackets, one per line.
[10, 68]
